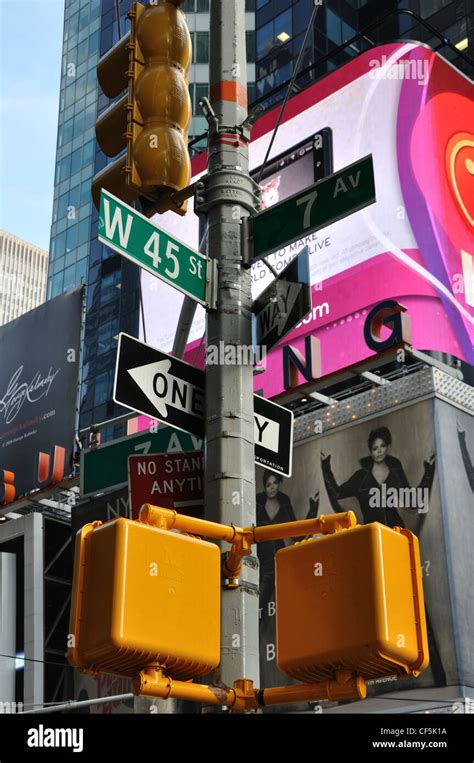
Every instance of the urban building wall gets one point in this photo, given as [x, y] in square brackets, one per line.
[23, 274]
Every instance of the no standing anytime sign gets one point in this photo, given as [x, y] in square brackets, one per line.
[172, 481]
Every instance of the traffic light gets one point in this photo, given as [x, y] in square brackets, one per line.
[150, 120]
[141, 597]
[351, 601]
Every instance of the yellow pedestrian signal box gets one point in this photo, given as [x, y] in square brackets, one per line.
[351, 601]
[149, 69]
[143, 596]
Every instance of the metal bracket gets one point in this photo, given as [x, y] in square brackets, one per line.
[210, 115]
[227, 186]
[246, 126]
[249, 561]
[246, 242]
[211, 283]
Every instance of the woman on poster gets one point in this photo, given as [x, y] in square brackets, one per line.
[274, 507]
[379, 473]
[380, 485]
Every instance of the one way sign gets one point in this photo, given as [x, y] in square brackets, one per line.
[283, 304]
[273, 435]
[163, 387]
[159, 385]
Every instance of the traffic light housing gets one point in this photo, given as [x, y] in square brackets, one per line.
[351, 601]
[143, 596]
[151, 119]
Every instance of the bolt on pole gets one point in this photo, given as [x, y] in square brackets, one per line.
[227, 194]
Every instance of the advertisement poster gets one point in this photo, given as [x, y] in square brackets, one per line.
[385, 470]
[414, 245]
[38, 392]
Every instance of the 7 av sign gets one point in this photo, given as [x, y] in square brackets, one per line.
[132, 235]
[322, 204]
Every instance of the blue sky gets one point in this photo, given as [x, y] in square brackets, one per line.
[31, 33]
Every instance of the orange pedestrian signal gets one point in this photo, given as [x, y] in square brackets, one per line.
[144, 597]
[351, 601]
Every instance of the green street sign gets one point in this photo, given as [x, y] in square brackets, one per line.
[107, 466]
[322, 204]
[132, 235]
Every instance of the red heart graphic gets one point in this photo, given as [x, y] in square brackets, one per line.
[460, 171]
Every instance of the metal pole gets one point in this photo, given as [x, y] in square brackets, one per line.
[227, 194]
[72, 704]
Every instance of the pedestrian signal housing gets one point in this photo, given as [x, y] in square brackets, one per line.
[141, 597]
[352, 600]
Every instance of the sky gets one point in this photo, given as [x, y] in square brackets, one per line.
[31, 33]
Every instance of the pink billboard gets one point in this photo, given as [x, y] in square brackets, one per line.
[413, 112]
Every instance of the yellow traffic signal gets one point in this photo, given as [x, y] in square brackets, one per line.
[152, 118]
[351, 601]
[144, 597]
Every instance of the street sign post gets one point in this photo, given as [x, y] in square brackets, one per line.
[173, 481]
[283, 304]
[132, 235]
[161, 386]
[106, 467]
[318, 206]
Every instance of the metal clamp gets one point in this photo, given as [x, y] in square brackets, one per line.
[210, 115]
[227, 186]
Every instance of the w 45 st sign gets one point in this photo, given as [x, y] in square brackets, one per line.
[318, 206]
[131, 234]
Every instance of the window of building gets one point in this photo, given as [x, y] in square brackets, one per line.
[69, 278]
[83, 234]
[105, 336]
[82, 51]
[102, 388]
[202, 91]
[73, 200]
[93, 43]
[76, 161]
[333, 27]
[201, 48]
[202, 6]
[64, 168]
[250, 42]
[57, 286]
[273, 35]
[81, 272]
[83, 17]
[71, 238]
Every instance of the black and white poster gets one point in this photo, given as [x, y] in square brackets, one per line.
[39, 368]
[387, 470]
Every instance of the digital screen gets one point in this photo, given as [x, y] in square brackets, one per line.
[414, 245]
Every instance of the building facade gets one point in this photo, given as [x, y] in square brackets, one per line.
[23, 274]
[281, 26]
